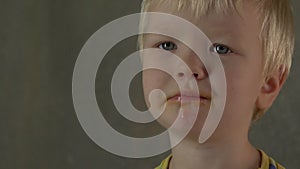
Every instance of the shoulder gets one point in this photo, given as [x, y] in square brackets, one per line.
[268, 162]
[165, 163]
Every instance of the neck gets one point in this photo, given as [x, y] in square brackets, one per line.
[232, 153]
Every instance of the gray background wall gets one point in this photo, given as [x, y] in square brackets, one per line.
[39, 43]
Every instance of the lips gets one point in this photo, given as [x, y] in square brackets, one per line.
[189, 98]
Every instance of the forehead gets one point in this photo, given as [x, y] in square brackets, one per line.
[197, 7]
[240, 29]
[230, 21]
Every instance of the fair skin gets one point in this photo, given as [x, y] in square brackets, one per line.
[236, 39]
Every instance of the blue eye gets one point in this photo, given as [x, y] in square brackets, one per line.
[221, 49]
[167, 46]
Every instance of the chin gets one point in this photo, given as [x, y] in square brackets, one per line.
[189, 122]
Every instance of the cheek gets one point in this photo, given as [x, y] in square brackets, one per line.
[243, 77]
[153, 79]
[243, 86]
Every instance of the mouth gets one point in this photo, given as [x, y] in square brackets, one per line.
[184, 98]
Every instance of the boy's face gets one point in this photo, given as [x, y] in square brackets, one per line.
[235, 37]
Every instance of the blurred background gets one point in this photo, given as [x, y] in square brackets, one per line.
[39, 43]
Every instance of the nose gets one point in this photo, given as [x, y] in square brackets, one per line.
[196, 66]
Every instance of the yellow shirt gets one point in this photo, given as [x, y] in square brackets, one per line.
[266, 162]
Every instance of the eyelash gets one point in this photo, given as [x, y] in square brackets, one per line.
[213, 48]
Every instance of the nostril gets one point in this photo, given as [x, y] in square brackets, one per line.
[180, 74]
[196, 75]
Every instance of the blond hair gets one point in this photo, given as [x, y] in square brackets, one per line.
[277, 31]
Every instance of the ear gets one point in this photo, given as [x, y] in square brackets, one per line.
[271, 88]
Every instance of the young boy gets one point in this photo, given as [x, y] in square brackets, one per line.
[254, 40]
